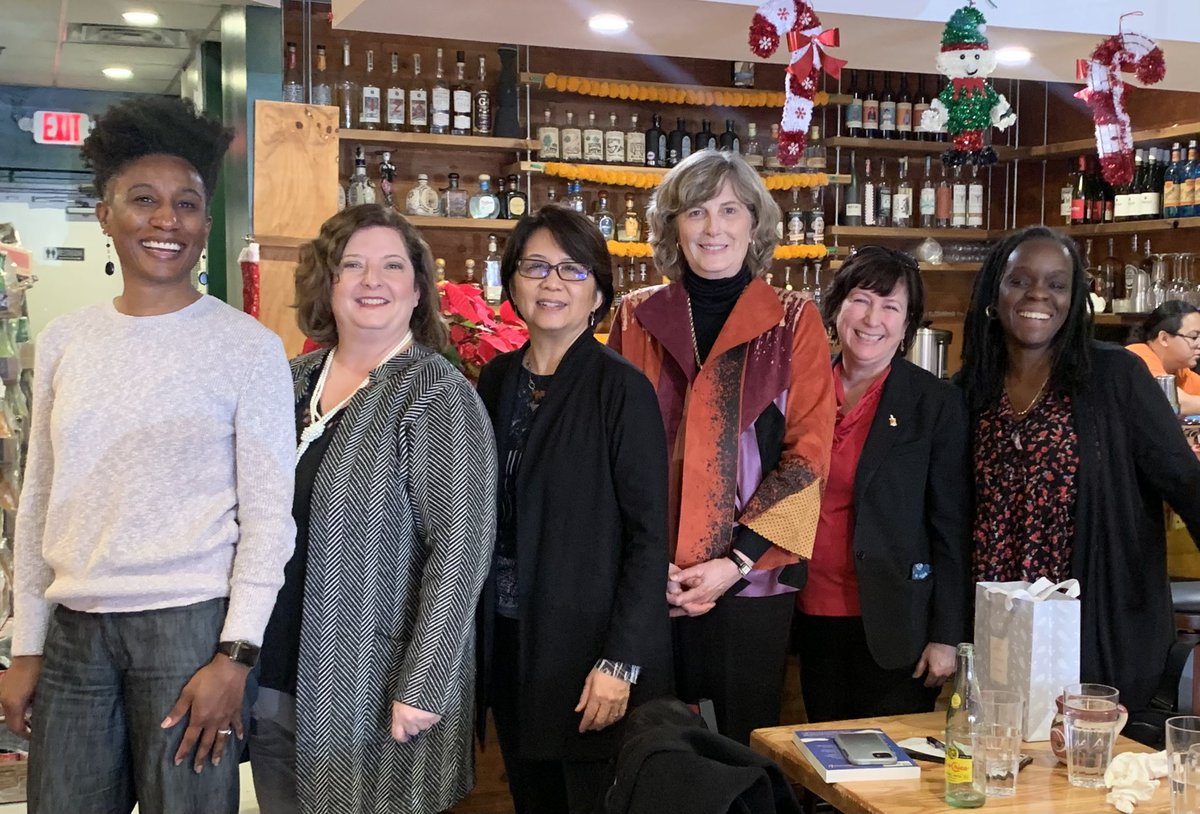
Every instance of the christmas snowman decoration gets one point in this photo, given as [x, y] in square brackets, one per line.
[969, 104]
[795, 22]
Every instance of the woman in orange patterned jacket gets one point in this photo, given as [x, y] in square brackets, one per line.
[742, 375]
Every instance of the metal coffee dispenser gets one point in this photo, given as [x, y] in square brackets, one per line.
[929, 350]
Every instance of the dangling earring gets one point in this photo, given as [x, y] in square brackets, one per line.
[592, 321]
[109, 268]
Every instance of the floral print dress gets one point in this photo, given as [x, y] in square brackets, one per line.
[1026, 487]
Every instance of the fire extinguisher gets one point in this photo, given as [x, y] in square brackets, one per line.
[249, 259]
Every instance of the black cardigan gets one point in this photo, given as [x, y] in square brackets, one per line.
[591, 542]
[1132, 457]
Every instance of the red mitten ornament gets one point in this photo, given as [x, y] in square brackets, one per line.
[795, 22]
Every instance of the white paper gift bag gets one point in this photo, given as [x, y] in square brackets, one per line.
[1027, 641]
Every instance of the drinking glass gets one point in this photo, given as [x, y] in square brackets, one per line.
[1183, 762]
[1091, 720]
[997, 741]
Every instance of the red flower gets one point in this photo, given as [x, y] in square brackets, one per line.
[476, 335]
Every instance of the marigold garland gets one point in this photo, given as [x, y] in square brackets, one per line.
[792, 180]
[684, 95]
[650, 178]
[622, 249]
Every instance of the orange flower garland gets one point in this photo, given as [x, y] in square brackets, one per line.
[650, 178]
[654, 92]
[622, 249]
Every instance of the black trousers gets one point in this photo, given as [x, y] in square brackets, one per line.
[840, 680]
[735, 655]
[538, 786]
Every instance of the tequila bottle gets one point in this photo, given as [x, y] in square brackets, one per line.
[293, 83]
[547, 135]
[397, 103]
[593, 141]
[631, 227]
[369, 108]
[460, 117]
[518, 201]
[484, 203]
[483, 119]
[440, 101]
[361, 191]
[753, 154]
[322, 90]
[603, 218]
[771, 152]
[614, 142]
[635, 144]
[387, 179]
[572, 140]
[347, 93]
[454, 199]
[469, 275]
[422, 199]
[491, 273]
[418, 100]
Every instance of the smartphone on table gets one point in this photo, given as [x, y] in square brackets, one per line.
[865, 748]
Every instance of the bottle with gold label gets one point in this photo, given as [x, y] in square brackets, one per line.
[963, 788]
[631, 227]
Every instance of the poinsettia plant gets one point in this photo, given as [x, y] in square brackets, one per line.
[477, 333]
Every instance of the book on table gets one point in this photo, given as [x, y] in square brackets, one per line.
[828, 760]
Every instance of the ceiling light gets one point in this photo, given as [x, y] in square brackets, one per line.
[1013, 55]
[608, 23]
[113, 72]
[140, 18]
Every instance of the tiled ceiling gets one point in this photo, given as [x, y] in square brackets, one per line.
[37, 35]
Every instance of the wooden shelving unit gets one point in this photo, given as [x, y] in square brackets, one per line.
[658, 172]
[1118, 319]
[968, 268]
[462, 224]
[474, 143]
[1064, 149]
[904, 146]
[1130, 227]
[913, 233]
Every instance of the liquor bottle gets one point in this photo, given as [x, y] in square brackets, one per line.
[643, 278]
[614, 142]
[418, 99]
[814, 227]
[397, 101]
[904, 110]
[440, 101]
[1079, 194]
[1171, 185]
[940, 133]
[1151, 194]
[293, 82]
[460, 98]
[818, 293]
[806, 286]
[635, 143]
[571, 140]
[919, 108]
[706, 139]
[361, 191]
[852, 215]
[771, 152]
[883, 208]
[547, 135]
[469, 275]
[787, 278]
[656, 143]
[868, 196]
[517, 202]
[491, 273]
[795, 220]
[964, 786]
[422, 199]
[484, 203]
[1112, 274]
[679, 144]
[815, 150]
[603, 216]
[593, 141]
[729, 139]
[552, 194]
[1187, 181]
[887, 109]
[1096, 196]
[854, 109]
[440, 265]
[347, 93]
[502, 197]
[1136, 287]
[322, 89]
[1131, 192]
[387, 179]
[975, 199]
[928, 199]
[369, 107]
[958, 205]
[753, 154]
[631, 227]
[483, 114]
[870, 109]
[902, 198]
[944, 207]
[454, 199]
[1064, 194]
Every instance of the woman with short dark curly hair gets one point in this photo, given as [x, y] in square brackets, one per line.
[368, 660]
[153, 527]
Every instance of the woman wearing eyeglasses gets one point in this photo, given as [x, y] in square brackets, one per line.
[573, 620]
[1168, 341]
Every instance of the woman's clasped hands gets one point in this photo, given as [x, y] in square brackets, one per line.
[694, 591]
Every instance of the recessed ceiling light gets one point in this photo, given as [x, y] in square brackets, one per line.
[608, 23]
[1013, 55]
[140, 17]
[113, 72]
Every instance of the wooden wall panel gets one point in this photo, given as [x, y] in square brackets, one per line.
[295, 160]
[278, 293]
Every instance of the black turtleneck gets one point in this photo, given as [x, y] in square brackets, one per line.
[712, 301]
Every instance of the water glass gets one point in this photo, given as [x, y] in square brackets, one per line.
[997, 741]
[1092, 717]
[1183, 762]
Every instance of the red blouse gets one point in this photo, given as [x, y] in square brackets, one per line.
[832, 587]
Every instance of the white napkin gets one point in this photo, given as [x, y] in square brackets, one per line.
[1131, 776]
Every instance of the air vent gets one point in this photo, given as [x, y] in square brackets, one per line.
[90, 34]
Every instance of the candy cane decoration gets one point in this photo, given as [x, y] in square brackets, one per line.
[249, 260]
[1127, 51]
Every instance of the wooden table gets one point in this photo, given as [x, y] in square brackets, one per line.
[1042, 787]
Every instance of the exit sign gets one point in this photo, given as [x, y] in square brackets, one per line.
[56, 127]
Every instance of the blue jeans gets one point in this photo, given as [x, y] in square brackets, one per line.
[107, 682]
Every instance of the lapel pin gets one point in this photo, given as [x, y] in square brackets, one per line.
[891, 420]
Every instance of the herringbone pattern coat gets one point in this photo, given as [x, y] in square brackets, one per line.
[401, 534]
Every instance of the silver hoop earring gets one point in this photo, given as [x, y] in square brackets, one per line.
[990, 312]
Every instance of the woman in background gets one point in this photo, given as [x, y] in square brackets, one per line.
[1168, 341]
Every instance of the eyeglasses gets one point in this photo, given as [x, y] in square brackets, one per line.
[568, 271]
[1193, 338]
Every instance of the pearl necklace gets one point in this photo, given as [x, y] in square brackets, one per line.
[318, 423]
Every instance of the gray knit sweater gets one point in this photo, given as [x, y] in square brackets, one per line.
[160, 469]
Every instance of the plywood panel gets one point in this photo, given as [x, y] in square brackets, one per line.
[277, 278]
[295, 167]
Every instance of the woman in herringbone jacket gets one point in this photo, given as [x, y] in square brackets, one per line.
[368, 661]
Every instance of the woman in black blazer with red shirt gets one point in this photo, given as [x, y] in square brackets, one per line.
[887, 597]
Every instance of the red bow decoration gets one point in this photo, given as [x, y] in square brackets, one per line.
[801, 68]
[971, 86]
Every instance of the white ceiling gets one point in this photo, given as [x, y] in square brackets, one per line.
[901, 35]
[34, 33]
